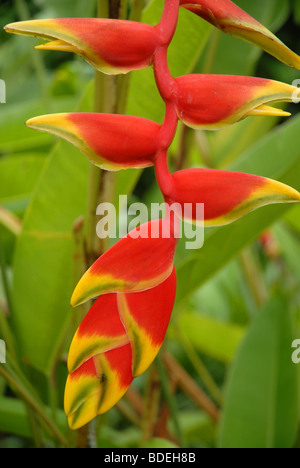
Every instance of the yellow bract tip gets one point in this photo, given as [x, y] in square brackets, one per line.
[267, 111]
[57, 46]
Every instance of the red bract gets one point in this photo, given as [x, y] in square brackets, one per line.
[146, 317]
[231, 19]
[137, 262]
[110, 141]
[90, 392]
[214, 101]
[111, 46]
[227, 196]
[118, 340]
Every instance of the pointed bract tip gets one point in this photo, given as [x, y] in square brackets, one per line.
[59, 46]
[268, 111]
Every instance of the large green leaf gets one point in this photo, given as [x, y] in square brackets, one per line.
[15, 136]
[214, 338]
[14, 417]
[261, 407]
[43, 265]
[276, 156]
[18, 176]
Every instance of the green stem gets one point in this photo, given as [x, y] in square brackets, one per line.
[152, 394]
[7, 335]
[254, 277]
[93, 196]
[170, 400]
[103, 8]
[123, 9]
[111, 94]
[137, 10]
[124, 80]
[212, 50]
[200, 368]
[5, 280]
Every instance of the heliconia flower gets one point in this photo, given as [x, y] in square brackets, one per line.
[231, 19]
[118, 340]
[111, 46]
[139, 261]
[97, 385]
[215, 101]
[226, 195]
[110, 141]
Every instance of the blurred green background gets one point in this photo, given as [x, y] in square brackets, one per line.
[225, 377]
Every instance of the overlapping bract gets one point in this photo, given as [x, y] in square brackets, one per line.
[122, 333]
[134, 282]
[139, 261]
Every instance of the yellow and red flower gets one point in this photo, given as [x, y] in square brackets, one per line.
[109, 141]
[134, 282]
[226, 196]
[122, 333]
[141, 260]
[110, 46]
[211, 102]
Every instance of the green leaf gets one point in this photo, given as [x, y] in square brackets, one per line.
[13, 417]
[18, 176]
[293, 217]
[43, 264]
[217, 339]
[297, 12]
[261, 407]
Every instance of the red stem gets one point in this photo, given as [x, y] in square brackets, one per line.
[166, 85]
[168, 21]
[165, 82]
[166, 135]
[163, 175]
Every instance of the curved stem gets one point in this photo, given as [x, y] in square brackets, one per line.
[166, 135]
[163, 176]
[168, 21]
[165, 82]
[169, 126]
